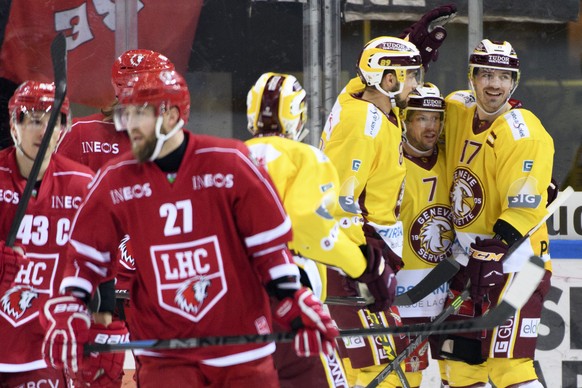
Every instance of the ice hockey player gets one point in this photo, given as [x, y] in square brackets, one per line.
[212, 247]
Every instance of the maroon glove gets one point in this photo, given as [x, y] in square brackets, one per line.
[427, 34]
[66, 320]
[103, 369]
[553, 190]
[485, 267]
[316, 331]
[379, 277]
[10, 263]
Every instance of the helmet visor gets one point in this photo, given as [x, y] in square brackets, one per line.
[130, 116]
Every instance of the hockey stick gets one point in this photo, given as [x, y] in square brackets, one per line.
[374, 320]
[447, 268]
[518, 293]
[59, 59]
[551, 209]
[451, 309]
[439, 275]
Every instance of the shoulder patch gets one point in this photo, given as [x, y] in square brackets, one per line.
[465, 97]
[517, 124]
[373, 121]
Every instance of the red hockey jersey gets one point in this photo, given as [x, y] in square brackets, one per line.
[198, 244]
[93, 141]
[44, 232]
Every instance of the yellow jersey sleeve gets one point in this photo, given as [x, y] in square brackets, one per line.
[308, 186]
[366, 149]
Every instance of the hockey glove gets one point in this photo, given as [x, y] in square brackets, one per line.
[378, 276]
[316, 331]
[485, 267]
[428, 33]
[10, 262]
[553, 190]
[103, 369]
[66, 320]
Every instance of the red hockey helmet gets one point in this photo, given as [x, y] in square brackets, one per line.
[36, 99]
[162, 90]
[35, 96]
[136, 61]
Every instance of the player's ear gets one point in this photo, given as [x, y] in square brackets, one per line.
[389, 80]
[172, 116]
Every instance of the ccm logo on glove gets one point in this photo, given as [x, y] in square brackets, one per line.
[488, 249]
[486, 256]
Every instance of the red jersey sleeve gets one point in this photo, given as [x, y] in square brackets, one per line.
[95, 263]
[266, 228]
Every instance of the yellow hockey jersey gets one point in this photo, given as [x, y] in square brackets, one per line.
[428, 229]
[501, 172]
[365, 146]
[308, 184]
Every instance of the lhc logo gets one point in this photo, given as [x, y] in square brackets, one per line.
[466, 196]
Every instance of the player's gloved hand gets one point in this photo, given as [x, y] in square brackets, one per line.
[485, 267]
[553, 190]
[428, 33]
[378, 276]
[66, 320]
[316, 331]
[103, 369]
[10, 262]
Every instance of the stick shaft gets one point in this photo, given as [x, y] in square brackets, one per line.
[58, 54]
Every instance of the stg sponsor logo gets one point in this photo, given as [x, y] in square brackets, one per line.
[127, 193]
[212, 180]
[524, 200]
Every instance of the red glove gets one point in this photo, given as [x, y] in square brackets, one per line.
[485, 267]
[316, 331]
[379, 277]
[10, 262]
[427, 34]
[103, 369]
[66, 320]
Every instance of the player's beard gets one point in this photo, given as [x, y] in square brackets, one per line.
[401, 103]
[144, 152]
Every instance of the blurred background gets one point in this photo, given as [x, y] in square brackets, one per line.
[222, 46]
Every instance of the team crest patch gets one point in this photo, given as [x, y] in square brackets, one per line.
[431, 234]
[17, 300]
[190, 277]
[192, 294]
[466, 196]
[33, 285]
